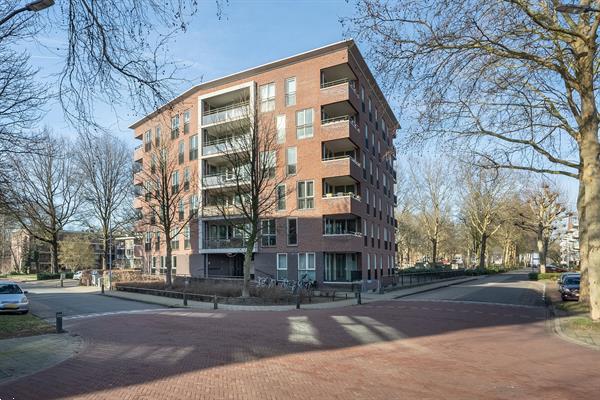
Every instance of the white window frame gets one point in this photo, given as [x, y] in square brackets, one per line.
[268, 235]
[305, 198]
[288, 163]
[290, 97]
[267, 100]
[307, 267]
[280, 122]
[304, 129]
[280, 268]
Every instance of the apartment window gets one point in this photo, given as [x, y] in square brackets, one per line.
[292, 231]
[153, 265]
[304, 123]
[157, 136]
[373, 143]
[282, 266]
[181, 151]
[175, 182]
[174, 265]
[365, 232]
[280, 128]
[153, 164]
[364, 165]
[181, 210]
[194, 204]
[267, 97]
[148, 140]
[370, 113]
[147, 190]
[290, 91]
[291, 160]
[162, 264]
[362, 97]
[194, 147]
[186, 122]
[281, 197]
[174, 240]
[186, 237]
[186, 179]
[306, 266]
[306, 195]
[268, 233]
[175, 127]
[367, 197]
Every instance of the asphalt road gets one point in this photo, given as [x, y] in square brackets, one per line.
[46, 298]
[513, 288]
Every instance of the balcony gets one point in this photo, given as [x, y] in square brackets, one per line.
[214, 211]
[225, 145]
[230, 245]
[226, 113]
[342, 166]
[338, 83]
[138, 153]
[219, 180]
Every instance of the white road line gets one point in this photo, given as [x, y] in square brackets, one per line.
[104, 314]
[470, 302]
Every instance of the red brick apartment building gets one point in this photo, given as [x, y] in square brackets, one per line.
[335, 219]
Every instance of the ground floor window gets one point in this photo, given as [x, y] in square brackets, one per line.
[282, 266]
[339, 266]
[306, 266]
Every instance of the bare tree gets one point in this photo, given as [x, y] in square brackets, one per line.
[253, 176]
[44, 195]
[485, 200]
[106, 173]
[432, 188]
[514, 80]
[165, 195]
[545, 209]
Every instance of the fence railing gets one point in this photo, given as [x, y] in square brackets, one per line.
[406, 279]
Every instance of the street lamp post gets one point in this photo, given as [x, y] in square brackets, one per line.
[33, 6]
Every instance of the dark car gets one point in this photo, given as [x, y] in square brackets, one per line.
[569, 289]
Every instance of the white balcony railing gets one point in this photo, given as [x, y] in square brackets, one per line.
[226, 113]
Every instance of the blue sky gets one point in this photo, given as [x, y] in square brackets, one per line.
[249, 33]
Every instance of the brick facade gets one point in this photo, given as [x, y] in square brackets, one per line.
[349, 157]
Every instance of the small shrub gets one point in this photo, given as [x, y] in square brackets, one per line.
[536, 276]
[42, 276]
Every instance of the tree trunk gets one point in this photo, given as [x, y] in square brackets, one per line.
[583, 263]
[591, 180]
[54, 255]
[540, 249]
[105, 245]
[168, 278]
[434, 243]
[248, 265]
[482, 250]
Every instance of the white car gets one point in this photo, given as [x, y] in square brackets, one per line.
[77, 275]
[12, 298]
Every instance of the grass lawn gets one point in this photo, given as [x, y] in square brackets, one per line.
[574, 307]
[582, 325]
[12, 325]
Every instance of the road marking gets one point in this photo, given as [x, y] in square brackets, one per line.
[104, 314]
[469, 302]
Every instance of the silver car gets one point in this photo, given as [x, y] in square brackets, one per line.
[12, 298]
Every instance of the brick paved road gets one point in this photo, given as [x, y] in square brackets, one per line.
[385, 350]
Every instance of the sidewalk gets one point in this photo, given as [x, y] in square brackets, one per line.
[567, 325]
[27, 355]
[366, 298]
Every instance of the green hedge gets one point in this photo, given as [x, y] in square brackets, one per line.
[42, 276]
[485, 271]
[536, 276]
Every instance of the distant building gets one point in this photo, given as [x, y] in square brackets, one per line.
[129, 252]
[568, 236]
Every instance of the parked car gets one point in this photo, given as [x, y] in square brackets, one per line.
[77, 275]
[569, 290]
[562, 276]
[12, 298]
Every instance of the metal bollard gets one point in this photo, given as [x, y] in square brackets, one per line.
[185, 299]
[215, 304]
[297, 302]
[59, 317]
[359, 299]
[333, 296]
[102, 286]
